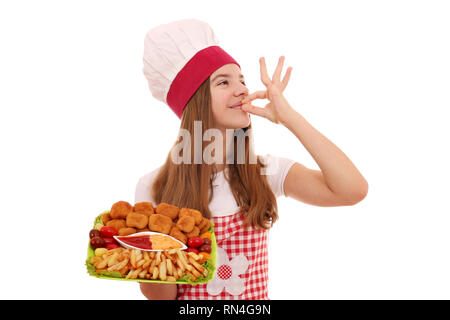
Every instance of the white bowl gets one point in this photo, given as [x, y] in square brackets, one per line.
[184, 247]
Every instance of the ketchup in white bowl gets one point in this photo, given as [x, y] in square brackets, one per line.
[150, 241]
[140, 242]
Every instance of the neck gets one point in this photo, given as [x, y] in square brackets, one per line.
[227, 148]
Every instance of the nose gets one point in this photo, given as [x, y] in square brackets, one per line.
[241, 90]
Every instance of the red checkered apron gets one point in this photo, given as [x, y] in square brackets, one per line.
[242, 264]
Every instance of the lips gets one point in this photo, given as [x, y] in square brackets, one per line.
[236, 106]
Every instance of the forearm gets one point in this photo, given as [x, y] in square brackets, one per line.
[159, 291]
[340, 174]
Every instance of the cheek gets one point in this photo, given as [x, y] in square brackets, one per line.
[218, 106]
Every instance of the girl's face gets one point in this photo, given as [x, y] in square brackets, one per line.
[227, 90]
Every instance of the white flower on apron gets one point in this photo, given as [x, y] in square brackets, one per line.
[227, 274]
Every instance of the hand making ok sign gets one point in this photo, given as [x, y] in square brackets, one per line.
[278, 109]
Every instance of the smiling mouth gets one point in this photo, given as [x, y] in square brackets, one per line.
[238, 106]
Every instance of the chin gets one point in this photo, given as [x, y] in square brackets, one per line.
[234, 120]
[239, 122]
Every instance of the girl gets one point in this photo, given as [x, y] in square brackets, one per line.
[204, 86]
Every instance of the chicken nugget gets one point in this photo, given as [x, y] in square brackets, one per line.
[186, 224]
[204, 225]
[143, 230]
[160, 223]
[137, 220]
[117, 224]
[197, 215]
[126, 231]
[105, 218]
[144, 208]
[167, 210]
[177, 234]
[195, 232]
[120, 210]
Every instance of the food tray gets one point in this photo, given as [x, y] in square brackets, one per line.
[210, 264]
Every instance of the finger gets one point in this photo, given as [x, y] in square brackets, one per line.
[286, 78]
[263, 69]
[255, 95]
[254, 110]
[277, 74]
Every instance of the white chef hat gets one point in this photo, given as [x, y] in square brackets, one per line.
[178, 58]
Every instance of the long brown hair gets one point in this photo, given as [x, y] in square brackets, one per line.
[190, 185]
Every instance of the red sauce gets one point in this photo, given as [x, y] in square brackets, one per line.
[141, 242]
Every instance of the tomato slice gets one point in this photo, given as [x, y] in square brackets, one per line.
[108, 232]
[195, 242]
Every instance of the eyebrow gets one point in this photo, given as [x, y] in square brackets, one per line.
[225, 75]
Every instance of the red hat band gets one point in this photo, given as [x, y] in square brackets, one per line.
[193, 74]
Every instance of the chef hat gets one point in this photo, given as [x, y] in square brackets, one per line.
[178, 58]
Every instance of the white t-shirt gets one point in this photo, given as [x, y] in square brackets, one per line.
[223, 202]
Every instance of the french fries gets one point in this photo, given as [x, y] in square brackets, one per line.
[118, 266]
[198, 266]
[167, 266]
[163, 270]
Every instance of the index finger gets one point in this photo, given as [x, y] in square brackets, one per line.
[255, 95]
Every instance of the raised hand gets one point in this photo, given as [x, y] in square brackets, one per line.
[278, 109]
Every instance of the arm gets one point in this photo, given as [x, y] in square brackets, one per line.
[159, 291]
[338, 183]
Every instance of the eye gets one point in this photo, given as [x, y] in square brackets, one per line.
[243, 82]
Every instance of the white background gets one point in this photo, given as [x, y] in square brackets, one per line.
[79, 127]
